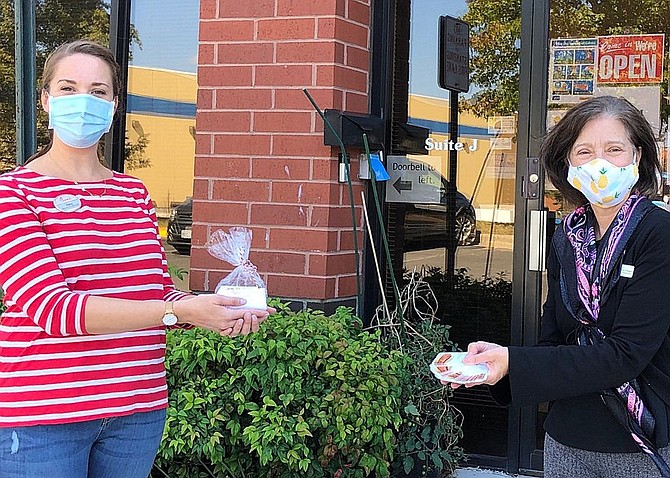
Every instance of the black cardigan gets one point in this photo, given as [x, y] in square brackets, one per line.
[635, 319]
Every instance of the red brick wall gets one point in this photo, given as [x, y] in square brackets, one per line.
[260, 159]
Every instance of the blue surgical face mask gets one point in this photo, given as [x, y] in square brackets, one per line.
[80, 120]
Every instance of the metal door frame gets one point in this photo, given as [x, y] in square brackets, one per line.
[527, 284]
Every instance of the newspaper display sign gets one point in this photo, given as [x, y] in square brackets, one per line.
[572, 69]
[634, 59]
[501, 144]
[501, 124]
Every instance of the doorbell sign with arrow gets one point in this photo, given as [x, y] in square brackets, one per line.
[412, 181]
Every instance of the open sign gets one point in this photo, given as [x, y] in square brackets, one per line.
[630, 59]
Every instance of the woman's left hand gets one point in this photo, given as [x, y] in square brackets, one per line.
[247, 324]
[494, 356]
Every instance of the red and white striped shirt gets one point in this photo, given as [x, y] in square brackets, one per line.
[61, 242]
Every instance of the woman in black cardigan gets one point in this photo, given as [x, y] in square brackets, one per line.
[604, 354]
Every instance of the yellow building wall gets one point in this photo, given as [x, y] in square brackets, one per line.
[171, 148]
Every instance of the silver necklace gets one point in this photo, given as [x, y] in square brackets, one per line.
[84, 188]
[81, 186]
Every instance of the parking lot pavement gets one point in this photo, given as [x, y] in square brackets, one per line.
[178, 261]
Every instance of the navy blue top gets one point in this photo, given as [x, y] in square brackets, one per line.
[635, 319]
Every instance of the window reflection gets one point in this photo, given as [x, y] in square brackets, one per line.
[162, 95]
[160, 122]
[476, 299]
[56, 22]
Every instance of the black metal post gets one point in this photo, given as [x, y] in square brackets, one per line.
[119, 43]
[451, 190]
[25, 80]
[454, 76]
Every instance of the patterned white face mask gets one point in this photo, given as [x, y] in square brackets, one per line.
[603, 183]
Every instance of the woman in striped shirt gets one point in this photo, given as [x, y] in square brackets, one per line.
[87, 294]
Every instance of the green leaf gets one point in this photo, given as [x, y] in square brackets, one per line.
[407, 464]
[304, 464]
[437, 460]
[303, 429]
[368, 462]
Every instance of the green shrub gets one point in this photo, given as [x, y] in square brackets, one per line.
[177, 272]
[428, 441]
[309, 395]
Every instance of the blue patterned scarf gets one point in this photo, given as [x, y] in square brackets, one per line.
[594, 277]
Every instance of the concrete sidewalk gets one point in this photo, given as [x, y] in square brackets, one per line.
[482, 473]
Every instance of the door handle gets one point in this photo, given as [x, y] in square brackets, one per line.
[537, 241]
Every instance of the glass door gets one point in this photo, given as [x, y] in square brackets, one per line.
[473, 288]
[592, 49]
[530, 61]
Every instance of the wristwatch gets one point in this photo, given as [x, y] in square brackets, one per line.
[169, 319]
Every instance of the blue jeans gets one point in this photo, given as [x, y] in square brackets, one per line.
[120, 447]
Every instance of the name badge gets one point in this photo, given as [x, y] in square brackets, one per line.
[627, 271]
[67, 203]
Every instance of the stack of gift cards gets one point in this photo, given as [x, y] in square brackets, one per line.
[449, 366]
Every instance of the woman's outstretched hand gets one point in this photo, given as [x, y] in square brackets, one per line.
[494, 356]
[218, 313]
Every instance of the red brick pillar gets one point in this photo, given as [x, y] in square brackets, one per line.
[260, 160]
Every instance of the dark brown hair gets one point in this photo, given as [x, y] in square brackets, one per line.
[558, 142]
[85, 47]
